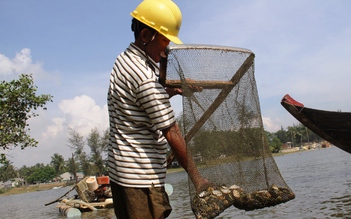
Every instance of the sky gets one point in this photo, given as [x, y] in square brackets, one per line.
[302, 48]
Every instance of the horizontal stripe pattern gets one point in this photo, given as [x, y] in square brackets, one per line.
[139, 109]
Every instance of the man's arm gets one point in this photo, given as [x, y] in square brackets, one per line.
[178, 145]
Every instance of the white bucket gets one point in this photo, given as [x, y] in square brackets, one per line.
[92, 183]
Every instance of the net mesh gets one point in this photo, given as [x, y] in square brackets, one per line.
[223, 128]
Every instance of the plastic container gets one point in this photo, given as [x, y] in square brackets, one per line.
[103, 180]
[92, 183]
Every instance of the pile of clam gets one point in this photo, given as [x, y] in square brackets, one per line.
[215, 199]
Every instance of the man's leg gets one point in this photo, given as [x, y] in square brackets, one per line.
[140, 203]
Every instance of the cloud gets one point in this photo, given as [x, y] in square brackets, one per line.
[21, 64]
[269, 125]
[81, 114]
[53, 130]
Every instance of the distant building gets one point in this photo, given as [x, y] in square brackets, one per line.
[11, 183]
[287, 145]
[69, 177]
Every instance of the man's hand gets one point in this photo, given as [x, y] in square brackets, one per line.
[173, 91]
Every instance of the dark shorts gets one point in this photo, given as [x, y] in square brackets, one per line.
[140, 203]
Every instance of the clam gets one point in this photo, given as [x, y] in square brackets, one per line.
[234, 187]
[217, 193]
[264, 193]
[225, 190]
[203, 194]
[274, 188]
[236, 193]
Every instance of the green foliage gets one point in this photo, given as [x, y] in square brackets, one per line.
[282, 135]
[85, 165]
[7, 171]
[71, 165]
[25, 171]
[2, 191]
[41, 174]
[297, 134]
[18, 100]
[76, 142]
[58, 163]
[93, 163]
[275, 145]
[94, 142]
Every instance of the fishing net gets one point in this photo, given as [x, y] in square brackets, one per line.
[223, 128]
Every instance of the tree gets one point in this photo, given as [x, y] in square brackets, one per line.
[95, 152]
[41, 174]
[77, 143]
[85, 165]
[275, 145]
[18, 101]
[71, 167]
[104, 147]
[7, 171]
[94, 142]
[293, 131]
[24, 172]
[58, 163]
[282, 135]
[104, 142]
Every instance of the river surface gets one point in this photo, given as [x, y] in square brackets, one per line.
[320, 179]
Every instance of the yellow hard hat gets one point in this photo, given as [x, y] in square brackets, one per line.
[162, 15]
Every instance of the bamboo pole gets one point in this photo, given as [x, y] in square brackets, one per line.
[202, 84]
[59, 199]
[69, 211]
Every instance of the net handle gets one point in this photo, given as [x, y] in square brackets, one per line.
[202, 84]
[178, 83]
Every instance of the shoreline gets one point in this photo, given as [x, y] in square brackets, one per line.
[179, 169]
[33, 188]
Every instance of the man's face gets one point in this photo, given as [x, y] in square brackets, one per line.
[157, 46]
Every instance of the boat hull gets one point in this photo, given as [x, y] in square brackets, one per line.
[335, 127]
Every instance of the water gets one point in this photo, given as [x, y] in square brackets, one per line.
[320, 179]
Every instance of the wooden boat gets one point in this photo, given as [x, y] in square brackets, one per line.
[92, 194]
[334, 127]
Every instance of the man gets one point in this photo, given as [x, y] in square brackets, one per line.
[141, 118]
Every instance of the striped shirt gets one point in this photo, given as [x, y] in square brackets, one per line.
[139, 109]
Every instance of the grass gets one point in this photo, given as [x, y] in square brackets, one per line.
[32, 188]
